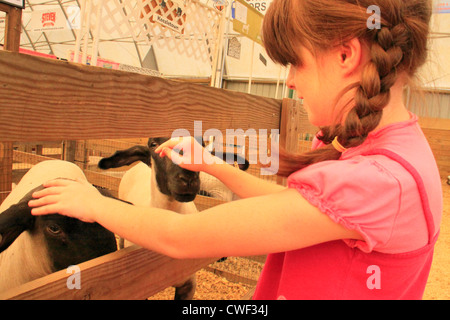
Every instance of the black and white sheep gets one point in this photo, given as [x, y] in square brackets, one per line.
[158, 182]
[34, 246]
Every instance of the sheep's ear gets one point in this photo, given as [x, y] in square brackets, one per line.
[243, 163]
[13, 221]
[107, 193]
[126, 157]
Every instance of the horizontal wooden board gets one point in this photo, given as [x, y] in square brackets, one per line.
[45, 99]
[131, 273]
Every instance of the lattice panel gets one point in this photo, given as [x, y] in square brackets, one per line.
[185, 26]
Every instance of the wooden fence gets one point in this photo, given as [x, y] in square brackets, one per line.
[51, 100]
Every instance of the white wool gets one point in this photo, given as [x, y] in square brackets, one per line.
[40, 173]
[26, 259]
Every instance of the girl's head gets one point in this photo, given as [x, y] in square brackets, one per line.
[306, 33]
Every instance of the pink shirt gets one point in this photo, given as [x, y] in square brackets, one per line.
[389, 190]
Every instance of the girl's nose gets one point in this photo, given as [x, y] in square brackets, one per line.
[290, 82]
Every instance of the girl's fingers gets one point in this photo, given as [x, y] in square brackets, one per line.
[55, 186]
[43, 206]
[170, 144]
[48, 209]
[46, 200]
[174, 156]
[50, 190]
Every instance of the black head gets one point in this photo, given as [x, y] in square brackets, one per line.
[69, 241]
[172, 180]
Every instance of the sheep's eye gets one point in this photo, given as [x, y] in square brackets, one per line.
[54, 229]
[153, 145]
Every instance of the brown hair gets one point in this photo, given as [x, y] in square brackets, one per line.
[399, 46]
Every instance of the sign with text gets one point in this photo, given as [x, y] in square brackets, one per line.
[55, 19]
[260, 5]
[170, 14]
[247, 20]
[442, 6]
[15, 3]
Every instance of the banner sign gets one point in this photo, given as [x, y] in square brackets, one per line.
[55, 20]
[15, 3]
[247, 20]
[442, 7]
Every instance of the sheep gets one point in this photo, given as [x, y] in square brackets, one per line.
[158, 182]
[32, 247]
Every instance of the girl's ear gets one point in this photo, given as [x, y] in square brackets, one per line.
[350, 56]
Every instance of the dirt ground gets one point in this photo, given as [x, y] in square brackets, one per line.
[214, 287]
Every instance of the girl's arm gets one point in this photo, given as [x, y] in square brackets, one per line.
[196, 158]
[276, 222]
[242, 183]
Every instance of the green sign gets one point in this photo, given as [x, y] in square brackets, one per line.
[247, 20]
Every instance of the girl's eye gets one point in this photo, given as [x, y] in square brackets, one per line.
[153, 145]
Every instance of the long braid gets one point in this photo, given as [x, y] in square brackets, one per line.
[373, 93]
[399, 46]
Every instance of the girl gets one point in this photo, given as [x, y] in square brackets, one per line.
[362, 210]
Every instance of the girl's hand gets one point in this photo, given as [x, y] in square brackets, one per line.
[73, 198]
[187, 153]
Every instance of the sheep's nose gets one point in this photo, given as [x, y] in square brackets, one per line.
[187, 181]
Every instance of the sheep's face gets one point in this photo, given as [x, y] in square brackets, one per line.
[172, 180]
[71, 241]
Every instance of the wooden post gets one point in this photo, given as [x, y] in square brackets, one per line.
[287, 129]
[6, 156]
[12, 43]
[69, 150]
[293, 122]
[13, 27]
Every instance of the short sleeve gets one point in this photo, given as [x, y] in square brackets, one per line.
[357, 193]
